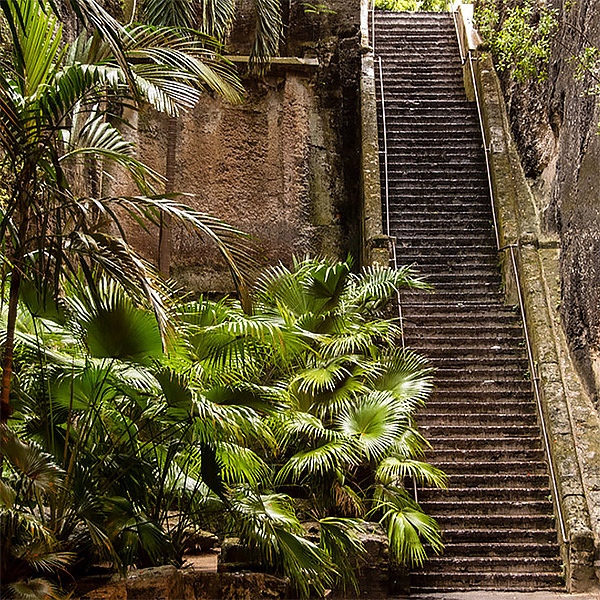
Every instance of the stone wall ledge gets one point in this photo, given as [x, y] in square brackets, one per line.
[572, 422]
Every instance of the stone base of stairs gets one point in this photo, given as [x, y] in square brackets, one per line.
[494, 595]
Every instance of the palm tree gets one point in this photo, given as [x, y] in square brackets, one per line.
[216, 18]
[55, 114]
[339, 397]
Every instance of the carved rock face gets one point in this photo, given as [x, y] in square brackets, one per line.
[555, 125]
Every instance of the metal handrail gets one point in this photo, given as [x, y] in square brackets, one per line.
[385, 149]
[387, 193]
[387, 198]
[514, 248]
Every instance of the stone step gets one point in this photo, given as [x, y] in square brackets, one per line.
[459, 520]
[490, 396]
[528, 452]
[436, 269]
[533, 507]
[502, 549]
[470, 420]
[495, 564]
[481, 431]
[438, 303]
[455, 204]
[434, 407]
[441, 330]
[425, 581]
[461, 494]
[505, 467]
[466, 223]
[448, 317]
[440, 441]
[472, 353]
[499, 534]
[501, 382]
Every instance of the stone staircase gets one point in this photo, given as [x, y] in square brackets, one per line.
[481, 420]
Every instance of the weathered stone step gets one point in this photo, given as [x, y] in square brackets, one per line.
[464, 240]
[437, 103]
[418, 76]
[470, 352]
[500, 534]
[483, 431]
[448, 317]
[429, 19]
[505, 493]
[491, 396]
[503, 330]
[444, 342]
[457, 265]
[470, 420]
[493, 564]
[419, 47]
[459, 110]
[420, 171]
[502, 549]
[465, 283]
[423, 169]
[465, 222]
[432, 136]
[473, 407]
[437, 302]
[533, 507]
[453, 203]
[504, 467]
[425, 581]
[499, 381]
[487, 455]
[495, 522]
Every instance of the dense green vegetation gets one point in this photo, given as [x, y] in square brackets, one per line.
[118, 449]
[132, 415]
[520, 37]
[399, 5]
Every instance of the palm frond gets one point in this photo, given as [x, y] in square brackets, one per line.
[339, 537]
[408, 376]
[393, 469]
[218, 17]
[30, 461]
[320, 462]
[376, 285]
[268, 33]
[169, 13]
[36, 588]
[242, 465]
[374, 424]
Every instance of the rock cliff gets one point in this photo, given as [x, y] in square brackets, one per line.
[555, 125]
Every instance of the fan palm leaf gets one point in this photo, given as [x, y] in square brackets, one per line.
[374, 424]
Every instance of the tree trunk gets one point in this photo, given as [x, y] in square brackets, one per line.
[11, 319]
[7, 357]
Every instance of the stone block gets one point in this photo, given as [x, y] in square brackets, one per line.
[238, 586]
[155, 583]
[101, 588]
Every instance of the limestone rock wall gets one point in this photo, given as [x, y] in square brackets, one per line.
[282, 166]
[555, 126]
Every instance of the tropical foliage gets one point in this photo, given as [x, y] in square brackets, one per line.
[520, 36]
[413, 5]
[58, 112]
[216, 18]
[302, 411]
